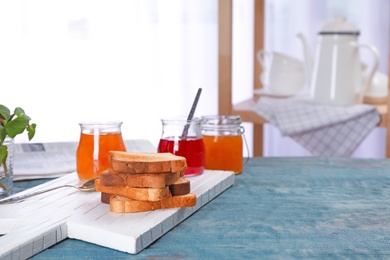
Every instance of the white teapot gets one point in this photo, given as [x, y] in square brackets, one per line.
[335, 75]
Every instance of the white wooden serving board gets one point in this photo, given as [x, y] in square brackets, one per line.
[30, 226]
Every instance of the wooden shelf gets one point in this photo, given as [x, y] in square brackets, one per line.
[382, 109]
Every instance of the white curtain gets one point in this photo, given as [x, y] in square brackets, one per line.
[285, 19]
[65, 61]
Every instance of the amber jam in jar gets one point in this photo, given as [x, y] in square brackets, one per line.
[222, 137]
[96, 140]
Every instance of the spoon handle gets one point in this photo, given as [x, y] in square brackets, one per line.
[191, 115]
[25, 196]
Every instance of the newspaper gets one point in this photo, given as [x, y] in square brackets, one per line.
[51, 160]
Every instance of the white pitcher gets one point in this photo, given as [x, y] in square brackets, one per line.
[335, 75]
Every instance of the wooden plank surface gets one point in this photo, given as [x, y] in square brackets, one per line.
[30, 226]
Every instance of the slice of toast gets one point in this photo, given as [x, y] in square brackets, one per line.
[120, 204]
[143, 180]
[127, 162]
[181, 187]
[144, 194]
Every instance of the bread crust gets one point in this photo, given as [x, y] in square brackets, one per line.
[144, 194]
[105, 197]
[181, 187]
[141, 180]
[146, 162]
[119, 204]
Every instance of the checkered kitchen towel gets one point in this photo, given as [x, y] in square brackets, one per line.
[323, 130]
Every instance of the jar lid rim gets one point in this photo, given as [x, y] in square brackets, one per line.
[180, 119]
[221, 120]
[100, 122]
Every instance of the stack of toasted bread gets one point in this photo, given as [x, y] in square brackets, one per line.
[138, 182]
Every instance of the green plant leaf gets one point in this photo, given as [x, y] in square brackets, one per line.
[16, 126]
[19, 112]
[4, 112]
[31, 131]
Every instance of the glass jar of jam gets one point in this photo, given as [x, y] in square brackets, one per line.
[97, 138]
[222, 137]
[183, 137]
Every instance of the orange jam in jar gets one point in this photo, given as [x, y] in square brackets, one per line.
[96, 140]
[222, 137]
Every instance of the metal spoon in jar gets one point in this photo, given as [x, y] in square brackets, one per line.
[87, 186]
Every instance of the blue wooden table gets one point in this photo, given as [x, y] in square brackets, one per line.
[278, 208]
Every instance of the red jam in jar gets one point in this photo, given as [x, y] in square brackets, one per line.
[183, 137]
